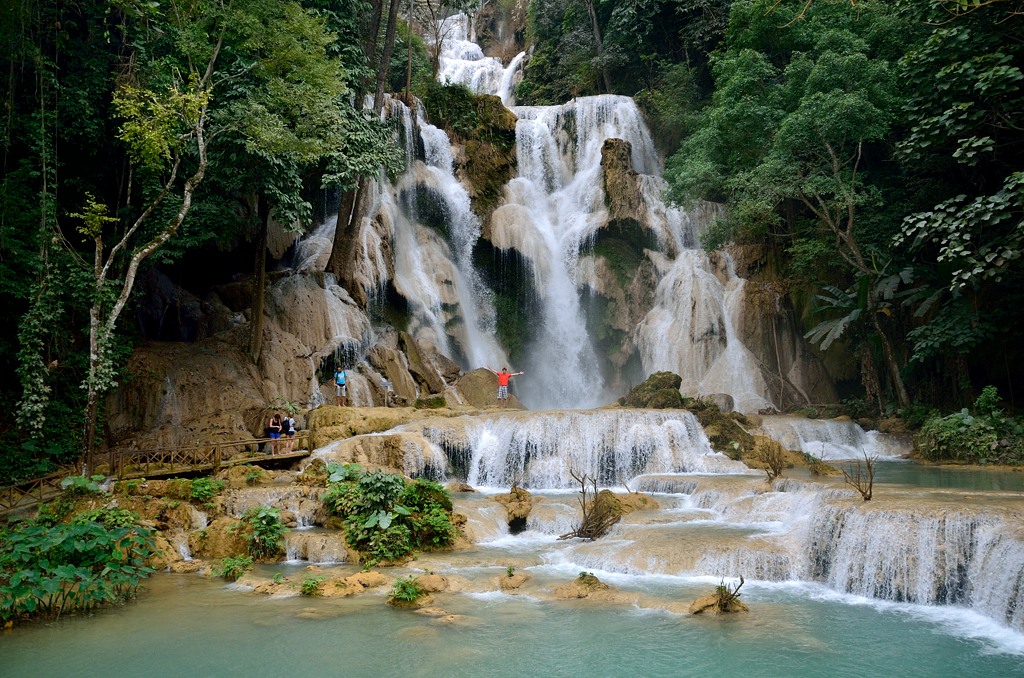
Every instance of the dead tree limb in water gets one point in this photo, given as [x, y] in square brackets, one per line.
[728, 596]
[598, 516]
[862, 478]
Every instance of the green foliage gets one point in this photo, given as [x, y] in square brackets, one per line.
[451, 107]
[55, 512]
[263, 531]
[109, 517]
[510, 571]
[254, 475]
[406, 591]
[203, 490]
[670, 104]
[311, 585]
[81, 486]
[342, 472]
[47, 571]
[422, 494]
[233, 567]
[385, 518]
[434, 402]
[985, 436]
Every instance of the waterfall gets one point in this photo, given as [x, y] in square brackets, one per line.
[829, 439]
[462, 61]
[421, 233]
[543, 450]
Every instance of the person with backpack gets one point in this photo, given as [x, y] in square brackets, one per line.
[341, 392]
[288, 424]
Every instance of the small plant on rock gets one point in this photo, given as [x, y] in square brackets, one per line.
[233, 567]
[254, 475]
[312, 586]
[405, 591]
[510, 571]
[728, 596]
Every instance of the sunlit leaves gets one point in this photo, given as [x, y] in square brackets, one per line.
[155, 123]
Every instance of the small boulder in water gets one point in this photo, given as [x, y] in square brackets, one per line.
[583, 586]
[518, 503]
[725, 600]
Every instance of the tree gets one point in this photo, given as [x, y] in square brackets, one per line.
[790, 143]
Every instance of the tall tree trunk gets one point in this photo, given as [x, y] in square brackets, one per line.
[259, 284]
[889, 353]
[597, 44]
[354, 204]
[408, 59]
[385, 59]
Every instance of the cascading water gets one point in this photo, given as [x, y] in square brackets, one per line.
[544, 450]
[552, 212]
[829, 439]
[462, 61]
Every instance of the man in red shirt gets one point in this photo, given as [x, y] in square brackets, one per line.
[503, 378]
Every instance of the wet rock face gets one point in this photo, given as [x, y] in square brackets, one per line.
[621, 187]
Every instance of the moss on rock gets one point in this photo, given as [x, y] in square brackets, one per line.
[659, 391]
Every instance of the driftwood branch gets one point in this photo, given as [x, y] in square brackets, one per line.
[597, 516]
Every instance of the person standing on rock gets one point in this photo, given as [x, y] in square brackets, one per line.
[503, 378]
[341, 391]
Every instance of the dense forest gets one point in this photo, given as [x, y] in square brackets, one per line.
[875, 148]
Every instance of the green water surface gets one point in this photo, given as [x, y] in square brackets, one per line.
[187, 625]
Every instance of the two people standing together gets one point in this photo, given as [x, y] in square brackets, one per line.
[278, 426]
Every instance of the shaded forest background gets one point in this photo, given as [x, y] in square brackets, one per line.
[874, 148]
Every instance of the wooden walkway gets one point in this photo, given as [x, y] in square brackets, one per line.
[158, 464]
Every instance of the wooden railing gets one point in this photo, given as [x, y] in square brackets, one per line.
[32, 492]
[153, 463]
[129, 464]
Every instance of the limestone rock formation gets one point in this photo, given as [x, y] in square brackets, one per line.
[512, 582]
[518, 503]
[659, 391]
[621, 181]
[479, 388]
[586, 585]
[220, 539]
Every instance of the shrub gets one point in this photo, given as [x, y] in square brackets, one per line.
[421, 495]
[341, 472]
[405, 591]
[385, 518]
[110, 517]
[203, 490]
[80, 486]
[49, 570]
[311, 586]
[233, 567]
[263, 531]
[985, 437]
